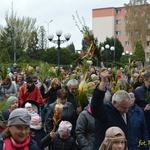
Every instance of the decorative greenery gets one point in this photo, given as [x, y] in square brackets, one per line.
[3, 107]
[3, 72]
[46, 71]
[89, 42]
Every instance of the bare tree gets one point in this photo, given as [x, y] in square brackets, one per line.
[137, 16]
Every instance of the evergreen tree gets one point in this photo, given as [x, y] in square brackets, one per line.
[71, 48]
[114, 55]
[4, 57]
[32, 50]
[139, 54]
[42, 38]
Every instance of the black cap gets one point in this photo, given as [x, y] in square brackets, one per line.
[29, 79]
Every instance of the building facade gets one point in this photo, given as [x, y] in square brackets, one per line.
[110, 22]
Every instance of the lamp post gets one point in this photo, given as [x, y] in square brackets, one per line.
[107, 49]
[48, 30]
[59, 41]
[16, 29]
[128, 54]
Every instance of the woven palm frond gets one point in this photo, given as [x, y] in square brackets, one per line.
[46, 71]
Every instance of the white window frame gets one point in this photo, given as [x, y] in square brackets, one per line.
[118, 32]
[118, 21]
[118, 11]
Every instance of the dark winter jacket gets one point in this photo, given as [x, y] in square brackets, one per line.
[72, 100]
[50, 94]
[56, 143]
[67, 114]
[106, 116]
[32, 145]
[38, 134]
[137, 130]
[85, 128]
[141, 95]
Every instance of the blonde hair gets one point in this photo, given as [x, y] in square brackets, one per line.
[55, 80]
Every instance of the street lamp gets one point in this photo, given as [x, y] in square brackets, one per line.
[59, 41]
[16, 29]
[128, 54]
[48, 30]
[107, 49]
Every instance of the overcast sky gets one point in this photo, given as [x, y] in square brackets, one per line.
[60, 11]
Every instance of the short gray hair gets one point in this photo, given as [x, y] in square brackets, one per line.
[72, 82]
[121, 95]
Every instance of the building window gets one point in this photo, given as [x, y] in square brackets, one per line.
[118, 21]
[148, 43]
[118, 32]
[126, 43]
[118, 11]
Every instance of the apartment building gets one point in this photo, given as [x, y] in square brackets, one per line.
[110, 22]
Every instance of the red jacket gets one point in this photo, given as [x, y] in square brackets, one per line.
[24, 95]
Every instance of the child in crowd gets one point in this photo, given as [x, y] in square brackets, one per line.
[61, 139]
[28, 106]
[37, 130]
[114, 139]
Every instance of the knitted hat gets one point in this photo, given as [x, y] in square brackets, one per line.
[29, 79]
[14, 64]
[19, 116]
[28, 105]
[8, 69]
[35, 119]
[11, 99]
[65, 128]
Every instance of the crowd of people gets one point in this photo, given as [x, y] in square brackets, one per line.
[43, 116]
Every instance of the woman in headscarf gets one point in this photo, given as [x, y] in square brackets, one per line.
[114, 140]
[16, 136]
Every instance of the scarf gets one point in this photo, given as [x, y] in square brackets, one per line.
[10, 144]
[7, 86]
[31, 88]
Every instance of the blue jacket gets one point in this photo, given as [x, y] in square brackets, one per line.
[106, 116]
[137, 129]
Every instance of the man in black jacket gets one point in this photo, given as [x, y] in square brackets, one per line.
[142, 95]
[109, 114]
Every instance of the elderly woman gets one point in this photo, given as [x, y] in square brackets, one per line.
[8, 88]
[12, 103]
[16, 135]
[114, 139]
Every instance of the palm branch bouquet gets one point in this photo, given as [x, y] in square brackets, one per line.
[57, 115]
[89, 38]
[115, 85]
[84, 90]
[27, 69]
[46, 71]
[85, 61]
